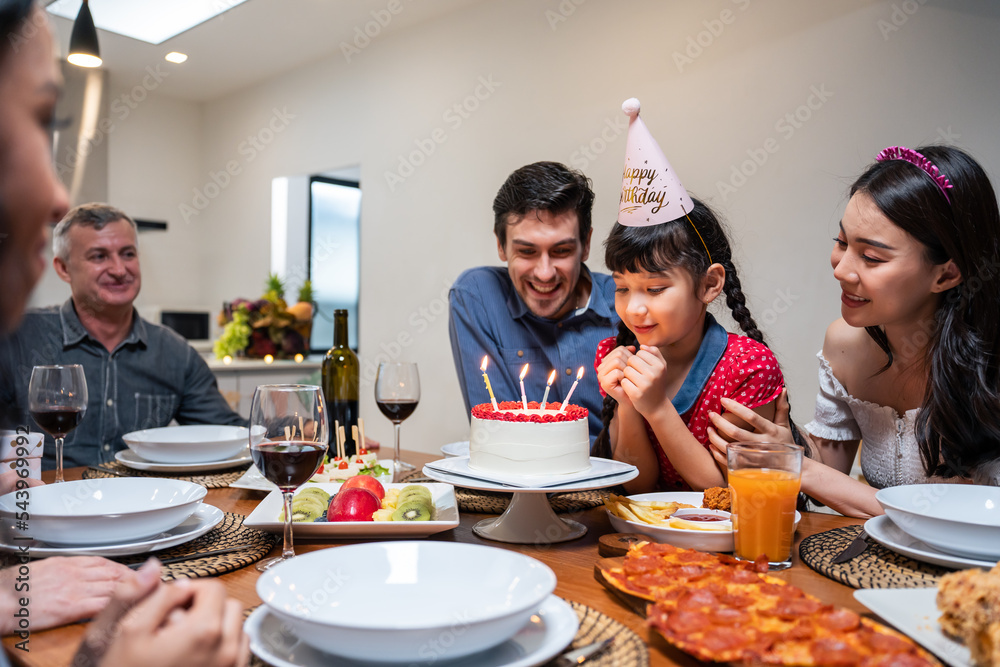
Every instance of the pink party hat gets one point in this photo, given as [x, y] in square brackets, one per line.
[651, 192]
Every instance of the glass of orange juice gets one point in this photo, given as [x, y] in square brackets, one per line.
[764, 481]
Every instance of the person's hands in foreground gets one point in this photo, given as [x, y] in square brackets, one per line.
[8, 482]
[189, 623]
[63, 590]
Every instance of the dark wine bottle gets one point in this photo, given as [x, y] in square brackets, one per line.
[340, 384]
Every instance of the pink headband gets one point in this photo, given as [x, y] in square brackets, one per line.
[916, 159]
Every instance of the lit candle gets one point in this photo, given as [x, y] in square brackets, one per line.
[579, 374]
[486, 379]
[268, 359]
[299, 358]
[227, 360]
[524, 399]
[548, 385]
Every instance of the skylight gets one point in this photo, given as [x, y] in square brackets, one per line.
[146, 20]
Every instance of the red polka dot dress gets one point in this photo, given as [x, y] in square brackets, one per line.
[747, 372]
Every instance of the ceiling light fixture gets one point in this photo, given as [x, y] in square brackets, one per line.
[175, 57]
[83, 48]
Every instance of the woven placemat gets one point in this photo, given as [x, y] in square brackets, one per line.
[229, 533]
[627, 649]
[877, 567]
[214, 480]
[495, 502]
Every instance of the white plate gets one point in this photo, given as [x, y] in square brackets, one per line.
[702, 540]
[484, 485]
[265, 517]
[130, 459]
[549, 632]
[204, 519]
[885, 532]
[456, 448]
[254, 481]
[914, 612]
[598, 468]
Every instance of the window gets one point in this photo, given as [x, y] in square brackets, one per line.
[334, 255]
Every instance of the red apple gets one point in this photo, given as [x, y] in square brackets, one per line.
[353, 505]
[365, 482]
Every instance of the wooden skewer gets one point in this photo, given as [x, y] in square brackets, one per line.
[354, 434]
[336, 436]
[361, 430]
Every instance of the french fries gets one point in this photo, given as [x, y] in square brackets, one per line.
[653, 512]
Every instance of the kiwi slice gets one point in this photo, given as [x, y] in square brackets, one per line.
[306, 508]
[414, 492]
[322, 495]
[412, 511]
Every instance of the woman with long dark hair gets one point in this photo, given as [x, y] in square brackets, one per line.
[912, 368]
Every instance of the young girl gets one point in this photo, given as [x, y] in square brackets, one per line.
[672, 362]
[913, 365]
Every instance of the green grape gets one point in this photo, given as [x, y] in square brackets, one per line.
[235, 336]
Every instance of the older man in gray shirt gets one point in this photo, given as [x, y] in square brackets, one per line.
[139, 374]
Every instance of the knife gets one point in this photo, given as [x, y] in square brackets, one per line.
[854, 549]
[582, 654]
[195, 556]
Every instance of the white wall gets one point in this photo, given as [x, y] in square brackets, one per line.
[154, 161]
[558, 87]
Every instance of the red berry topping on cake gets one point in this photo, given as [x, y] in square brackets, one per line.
[513, 411]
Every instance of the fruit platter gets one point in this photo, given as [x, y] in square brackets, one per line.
[268, 326]
[355, 508]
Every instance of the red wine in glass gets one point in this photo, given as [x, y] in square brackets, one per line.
[57, 399]
[397, 392]
[397, 411]
[288, 439]
[57, 421]
[288, 464]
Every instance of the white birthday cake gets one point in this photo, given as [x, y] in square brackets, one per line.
[515, 441]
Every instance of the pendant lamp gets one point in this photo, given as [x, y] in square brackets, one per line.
[83, 48]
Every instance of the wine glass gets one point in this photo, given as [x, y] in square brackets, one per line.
[57, 399]
[397, 392]
[288, 439]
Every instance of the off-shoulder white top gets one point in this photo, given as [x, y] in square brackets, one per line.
[890, 455]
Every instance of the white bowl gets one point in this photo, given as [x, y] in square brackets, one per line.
[960, 519]
[100, 511]
[198, 443]
[406, 601]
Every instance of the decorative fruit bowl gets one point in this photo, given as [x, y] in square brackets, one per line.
[267, 326]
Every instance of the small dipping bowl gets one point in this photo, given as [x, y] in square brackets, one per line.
[697, 518]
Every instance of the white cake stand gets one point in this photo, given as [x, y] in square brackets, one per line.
[529, 518]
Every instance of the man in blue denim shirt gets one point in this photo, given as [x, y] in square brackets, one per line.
[139, 374]
[546, 308]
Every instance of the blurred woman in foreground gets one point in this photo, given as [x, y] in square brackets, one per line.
[142, 622]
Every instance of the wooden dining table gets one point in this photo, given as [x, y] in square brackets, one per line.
[573, 563]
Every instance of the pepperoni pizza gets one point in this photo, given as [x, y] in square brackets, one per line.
[720, 609]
